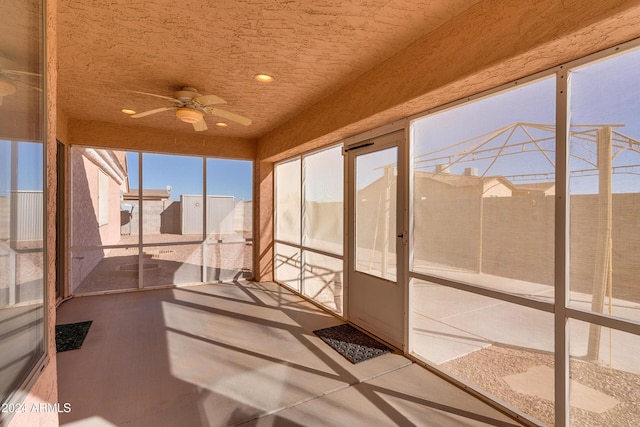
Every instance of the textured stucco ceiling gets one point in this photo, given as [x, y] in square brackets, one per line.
[312, 48]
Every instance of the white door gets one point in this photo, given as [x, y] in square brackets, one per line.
[376, 242]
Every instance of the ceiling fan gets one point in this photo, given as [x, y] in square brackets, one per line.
[190, 107]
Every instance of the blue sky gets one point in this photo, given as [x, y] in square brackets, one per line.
[29, 166]
[606, 92]
[184, 175]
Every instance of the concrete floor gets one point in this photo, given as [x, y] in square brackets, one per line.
[239, 354]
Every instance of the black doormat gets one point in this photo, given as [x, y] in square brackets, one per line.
[356, 346]
[71, 336]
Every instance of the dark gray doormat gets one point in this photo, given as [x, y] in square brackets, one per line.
[356, 346]
[71, 336]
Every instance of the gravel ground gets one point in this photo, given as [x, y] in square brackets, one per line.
[487, 367]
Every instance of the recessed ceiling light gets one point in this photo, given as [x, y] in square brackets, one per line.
[221, 124]
[128, 111]
[264, 78]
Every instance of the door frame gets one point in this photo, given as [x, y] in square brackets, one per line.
[351, 144]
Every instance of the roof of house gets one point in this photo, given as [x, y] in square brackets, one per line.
[147, 195]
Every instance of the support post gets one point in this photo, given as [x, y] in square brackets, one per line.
[601, 275]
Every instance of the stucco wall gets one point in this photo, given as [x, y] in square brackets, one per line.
[85, 205]
[263, 220]
[98, 134]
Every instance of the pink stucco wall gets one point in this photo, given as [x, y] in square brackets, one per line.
[85, 228]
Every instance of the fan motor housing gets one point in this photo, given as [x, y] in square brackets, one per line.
[187, 94]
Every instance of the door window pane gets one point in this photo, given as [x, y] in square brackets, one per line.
[375, 216]
[605, 187]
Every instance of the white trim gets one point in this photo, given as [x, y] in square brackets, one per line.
[405, 182]
[386, 137]
[561, 247]
[346, 227]
[521, 300]
[205, 233]
[607, 53]
[374, 133]
[617, 323]
[309, 249]
[140, 224]
[302, 223]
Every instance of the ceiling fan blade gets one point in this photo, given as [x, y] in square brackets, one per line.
[157, 96]
[229, 116]
[200, 125]
[209, 100]
[19, 73]
[13, 77]
[150, 112]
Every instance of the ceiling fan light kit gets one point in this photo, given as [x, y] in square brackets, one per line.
[189, 115]
[190, 107]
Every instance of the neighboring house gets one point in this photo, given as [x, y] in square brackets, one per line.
[546, 188]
